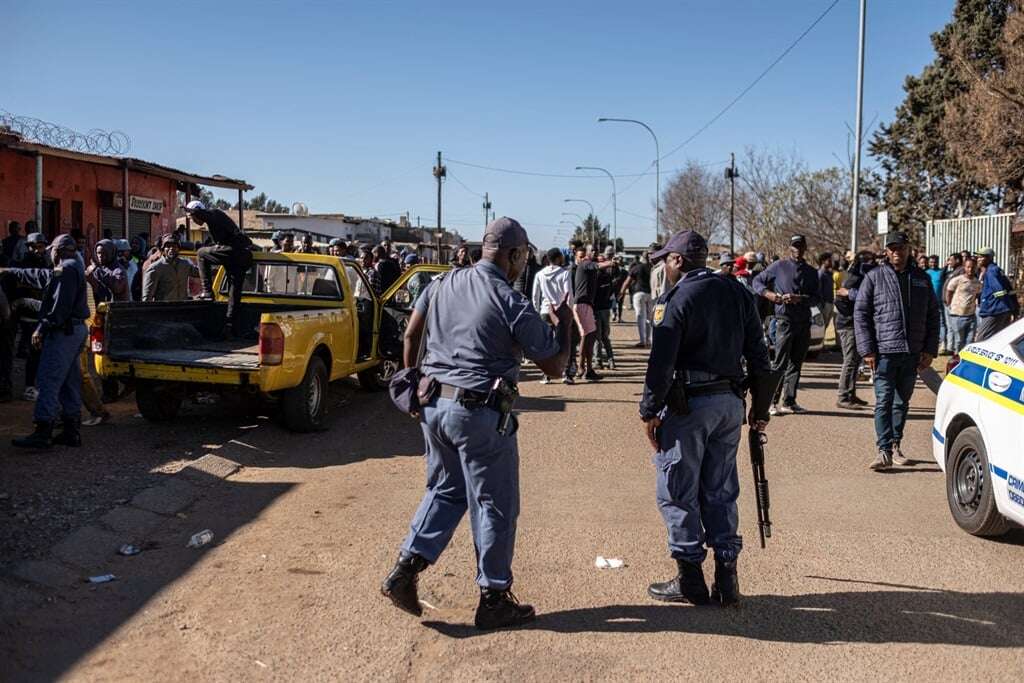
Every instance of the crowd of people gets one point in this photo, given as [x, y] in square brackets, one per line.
[41, 298]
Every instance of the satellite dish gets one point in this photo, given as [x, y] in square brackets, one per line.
[300, 209]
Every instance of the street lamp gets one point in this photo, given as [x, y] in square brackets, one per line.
[657, 171]
[593, 215]
[615, 207]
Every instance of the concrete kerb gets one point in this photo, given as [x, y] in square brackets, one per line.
[89, 548]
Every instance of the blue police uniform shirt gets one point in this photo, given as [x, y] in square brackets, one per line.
[479, 328]
[703, 323]
[65, 297]
[789, 276]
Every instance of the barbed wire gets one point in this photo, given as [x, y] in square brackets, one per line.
[96, 141]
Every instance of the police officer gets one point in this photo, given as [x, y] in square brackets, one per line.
[231, 248]
[693, 412]
[60, 335]
[478, 328]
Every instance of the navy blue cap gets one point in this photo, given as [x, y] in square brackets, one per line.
[687, 242]
[504, 233]
[896, 239]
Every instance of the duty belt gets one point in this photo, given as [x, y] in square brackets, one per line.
[466, 397]
[722, 386]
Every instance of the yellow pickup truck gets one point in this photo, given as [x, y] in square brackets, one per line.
[306, 320]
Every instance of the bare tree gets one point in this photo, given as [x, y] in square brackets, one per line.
[696, 199]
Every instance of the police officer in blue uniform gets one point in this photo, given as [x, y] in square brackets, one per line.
[61, 336]
[478, 328]
[692, 408]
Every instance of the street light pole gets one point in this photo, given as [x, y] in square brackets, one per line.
[657, 172]
[615, 206]
[860, 113]
[593, 215]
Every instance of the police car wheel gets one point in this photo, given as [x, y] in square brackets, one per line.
[969, 486]
[158, 401]
[305, 406]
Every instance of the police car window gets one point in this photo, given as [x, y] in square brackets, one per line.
[1018, 347]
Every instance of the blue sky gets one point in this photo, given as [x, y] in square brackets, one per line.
[344, 105]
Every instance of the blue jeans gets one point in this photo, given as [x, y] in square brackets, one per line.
[59, 378]
[697, 484]
[964, 327]
[469, 467]
[895, 374]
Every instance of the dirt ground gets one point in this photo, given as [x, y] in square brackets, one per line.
[865, 577]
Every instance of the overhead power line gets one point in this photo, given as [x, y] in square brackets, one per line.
[753, 83]
[464, 186]
[576, 176]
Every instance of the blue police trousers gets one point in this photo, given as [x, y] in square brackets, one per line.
[59, 378]
[469, 466]
[697, 482]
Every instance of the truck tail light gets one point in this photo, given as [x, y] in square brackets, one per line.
[97, 334]
[271, 344]
[952, 363]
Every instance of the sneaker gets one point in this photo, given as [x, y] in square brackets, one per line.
[568, 380]
[592, 376]
[898, 458]
[796, 408]
[96, 420]
[611, 363]
[640, 345]
[847, 405]
[545, 380]
[781, 409]
[858, 401]
[774, 410]
[882, 461]
[31, 394]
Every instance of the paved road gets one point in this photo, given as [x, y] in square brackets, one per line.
[866, 575]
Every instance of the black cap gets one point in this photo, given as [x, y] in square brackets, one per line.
[687, 242]
[797, 239]
[894, 239]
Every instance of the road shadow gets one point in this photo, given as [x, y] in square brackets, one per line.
[928, 617]
[557, 404]
[45, 631]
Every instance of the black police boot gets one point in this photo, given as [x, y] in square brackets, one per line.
[400, 584]
[500, 608]
[39, 439]
[687, 586]
[726, 588]
[70, 434]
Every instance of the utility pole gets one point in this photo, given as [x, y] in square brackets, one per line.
[487, 209]
[731, 175]
[440, 172]
[860, 113]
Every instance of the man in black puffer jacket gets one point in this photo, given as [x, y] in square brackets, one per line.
[896, 321]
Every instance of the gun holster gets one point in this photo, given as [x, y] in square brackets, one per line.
[677, 401]
[502, 398]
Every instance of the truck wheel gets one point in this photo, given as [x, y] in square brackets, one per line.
[379, 376]
[158, 401]
[969, 486]
[305, 406]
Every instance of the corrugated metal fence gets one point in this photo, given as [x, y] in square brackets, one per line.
[943, 237]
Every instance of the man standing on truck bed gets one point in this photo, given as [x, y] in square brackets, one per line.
[231, 248]
[477, 330]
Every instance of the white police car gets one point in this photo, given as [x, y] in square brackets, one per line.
[978, 434]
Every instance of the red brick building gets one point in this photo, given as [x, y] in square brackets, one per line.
[63, 190]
